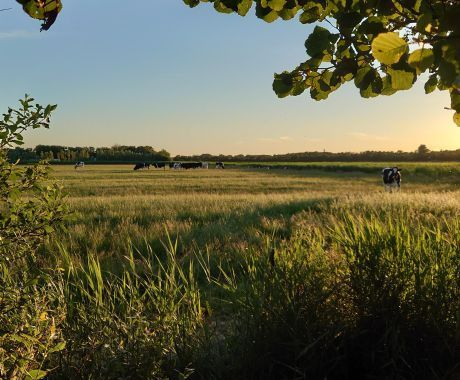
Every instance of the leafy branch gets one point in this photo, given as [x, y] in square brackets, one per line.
[367, 42]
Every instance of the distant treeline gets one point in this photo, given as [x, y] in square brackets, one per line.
[124, 153]
[116, 153]
[368, 156]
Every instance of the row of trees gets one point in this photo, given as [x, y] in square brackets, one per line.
[116, 153]
[421, 154]
[123, 153]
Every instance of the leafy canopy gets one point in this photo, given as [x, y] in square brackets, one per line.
[382, 46]
[46, 10]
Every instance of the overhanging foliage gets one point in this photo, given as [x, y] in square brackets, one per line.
[382, 46]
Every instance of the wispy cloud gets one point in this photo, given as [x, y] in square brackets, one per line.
[275, 139]
[313, 139]
[14, 34]
[367, 137]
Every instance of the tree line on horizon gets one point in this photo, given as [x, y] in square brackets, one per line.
[125, 154]
[116, 153]
[422, 153]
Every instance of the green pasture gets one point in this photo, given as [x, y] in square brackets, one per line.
[429, 169]
[259, 274]
[222, 210]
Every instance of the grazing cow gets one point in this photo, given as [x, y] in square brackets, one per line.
[220, 165]
[391, 178]
[191, 165]
[79, 164]
[159, 165]
[175, 165]
[141, 165]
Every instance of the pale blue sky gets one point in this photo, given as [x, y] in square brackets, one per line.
[193, 81]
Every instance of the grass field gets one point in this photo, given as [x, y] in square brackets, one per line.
[220, 209]
[433, 169]
[265, 274]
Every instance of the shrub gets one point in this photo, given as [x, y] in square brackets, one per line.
[31, 296]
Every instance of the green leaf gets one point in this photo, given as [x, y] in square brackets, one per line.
[364, 77]
[318, 42]
[288, 13]
[456, 83]
[373, 90]
[417, 5]
[49, 229]
[219, 6]
[387, 89]
[192, 3]
[311, 64]
[266, 13]
[276, 5]
[346, 67]
[421, 59]
[43, 10]
[317, 94]
[447, 73]
[401, 79]
[310, 15]
[388, 48]
[58, 347]
[431, 84]
[33, 10]
[347, 21]
[455, 100]
[244, 6]
[372, 25]
[283, 84]
[36, 374]
[457, 118]
[424, 22]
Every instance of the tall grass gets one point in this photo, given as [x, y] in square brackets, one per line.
[138, 324]
[334, 281]
[368, 297]
[361, 292]
[227, 211]
[438, 170]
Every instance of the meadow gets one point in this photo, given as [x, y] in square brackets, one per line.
[259, 273]
[221, 209]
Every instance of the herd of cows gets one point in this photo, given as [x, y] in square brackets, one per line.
[177, 165]
[391, 176]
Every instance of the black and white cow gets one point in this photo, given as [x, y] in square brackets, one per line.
[391, 178]
[141, 165]
[191, 165]
[159, 165]
[79, 164]
[220, 165]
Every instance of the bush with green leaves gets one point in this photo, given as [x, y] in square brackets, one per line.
[31, 295]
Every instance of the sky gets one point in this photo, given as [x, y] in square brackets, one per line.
[155, 72]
